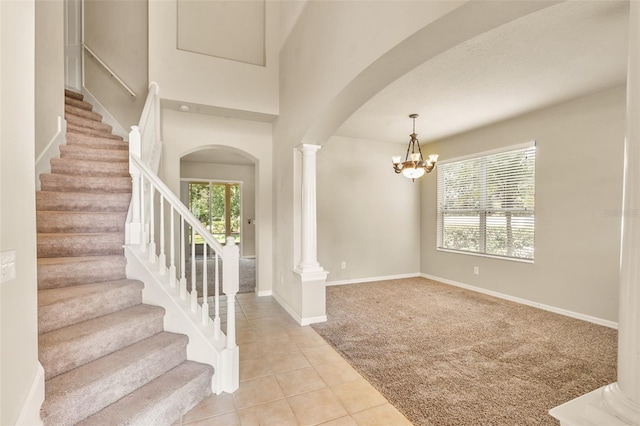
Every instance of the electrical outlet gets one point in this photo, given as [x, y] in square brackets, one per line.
[343, 265]
[8, 264]
[476, 270]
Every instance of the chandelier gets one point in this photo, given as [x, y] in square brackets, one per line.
[414, 165]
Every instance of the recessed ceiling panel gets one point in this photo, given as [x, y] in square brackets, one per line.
[229, 29]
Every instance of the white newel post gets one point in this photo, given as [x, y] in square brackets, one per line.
[619, 402]
[230, 287]
[309, 237]
[134, 227]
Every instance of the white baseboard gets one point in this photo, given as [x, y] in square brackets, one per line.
[295, 316]
[373, 279]
[43, 162]
[263, 293]
[576, 315]
[107, 118]
[30, 412]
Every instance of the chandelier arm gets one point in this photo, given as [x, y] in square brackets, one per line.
[406, 157]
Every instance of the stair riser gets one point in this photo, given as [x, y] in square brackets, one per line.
[78, 103]
[86, 202]
[88, 154]
[70, 245]
[152, 406]
[88, 305]
[96, 395]
[73, 95]
[90, 132]
[89, 168]
[76, 273]
[90, 115]
[50, 222]
[95, 142]
[67, 183]
[87, 123]
[60, 354]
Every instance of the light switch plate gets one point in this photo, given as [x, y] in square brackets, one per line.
[8, 263]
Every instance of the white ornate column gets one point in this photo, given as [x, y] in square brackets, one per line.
[308, 231]
[619, 402]
[310, 285]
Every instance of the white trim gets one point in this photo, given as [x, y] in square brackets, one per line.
[30, 412]
[106, 115]
[523, 145]
[43, 162]
[571, 314]
[373, 279]
[263, 293]
[491, 256]
[287, 308]
[297, 318]
[313, 320]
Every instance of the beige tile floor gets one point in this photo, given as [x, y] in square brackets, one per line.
[290, 376]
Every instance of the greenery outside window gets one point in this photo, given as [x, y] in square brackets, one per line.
[217, 206]
[486, 204]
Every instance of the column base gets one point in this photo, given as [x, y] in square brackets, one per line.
[311, 273]
[592, 409]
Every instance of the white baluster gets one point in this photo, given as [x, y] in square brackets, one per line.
[134, 226]
[172, 249]
[231, 284]
[162, 258]
[153, 258]
[143, 223]
[183, 268]
[216, 299]
[194, 292]
[205, 290]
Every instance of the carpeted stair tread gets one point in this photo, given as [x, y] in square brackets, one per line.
[97, 184]
[56, 272]
[80, 152]
[74, 128]
[83, 391]
[65, 306]
[160, 402]
[74, 167]
[82, 201]
[70, 347]
[70, 222]
[73, 95]
[87, 123]
[68, 100]
[95, 142]
[70, 109]
[80, 244]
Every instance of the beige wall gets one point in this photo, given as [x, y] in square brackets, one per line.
[49, 77]
[579, 159]
[208, 80]
[325, 76]
[18, 297]
[230, 172]
[368, 216]
[185, 133]
[117, 32]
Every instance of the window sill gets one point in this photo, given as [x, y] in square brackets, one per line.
[491, 256]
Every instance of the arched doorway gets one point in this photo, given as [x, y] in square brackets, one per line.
[218, 184]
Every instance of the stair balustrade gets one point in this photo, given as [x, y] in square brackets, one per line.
[155, 211]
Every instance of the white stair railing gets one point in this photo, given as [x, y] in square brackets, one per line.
[156, 211]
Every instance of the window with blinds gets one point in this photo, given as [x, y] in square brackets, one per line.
[486, 204]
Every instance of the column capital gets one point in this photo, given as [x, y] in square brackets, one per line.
[307, 147]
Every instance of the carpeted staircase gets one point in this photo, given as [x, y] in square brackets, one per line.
[106, 356]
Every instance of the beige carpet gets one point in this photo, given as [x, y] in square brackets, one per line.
[447, 356]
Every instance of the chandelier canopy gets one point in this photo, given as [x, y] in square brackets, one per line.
[414, 165]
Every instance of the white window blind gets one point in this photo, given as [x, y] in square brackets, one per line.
[486, 204]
